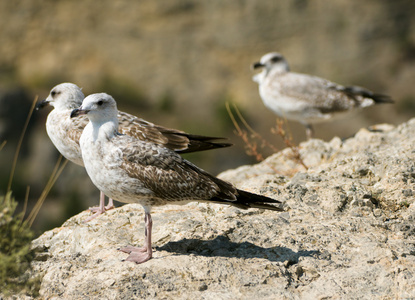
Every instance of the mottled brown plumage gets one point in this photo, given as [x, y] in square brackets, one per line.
[132, 170]
[65, 132]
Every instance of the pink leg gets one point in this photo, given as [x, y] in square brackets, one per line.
[141, 254]
[309, 131]
[110, 204]
[101, 208]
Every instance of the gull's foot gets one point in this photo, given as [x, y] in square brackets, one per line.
[99, 210]
[138, 255]
[96, 209]
[129, 249]
[96, 214]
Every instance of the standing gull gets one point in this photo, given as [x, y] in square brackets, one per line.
[305, 98]
[140, 171]
[65, 132]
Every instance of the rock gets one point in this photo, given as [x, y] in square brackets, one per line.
[348, 232]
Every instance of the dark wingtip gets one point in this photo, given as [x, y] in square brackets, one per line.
[258, 201]
[245, 200]
[195, 143]
[75, 113]
[195, 146]
[379, 98]
[359, 91]
[266, 206]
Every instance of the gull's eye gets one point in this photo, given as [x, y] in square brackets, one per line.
[276, 59]
[100, 102]
[54, 93]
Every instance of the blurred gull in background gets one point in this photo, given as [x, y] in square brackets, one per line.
[307, 99]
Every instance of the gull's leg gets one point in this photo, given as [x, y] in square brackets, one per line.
[110, 204]
[101, 208]
[141, 254]
[309, 131]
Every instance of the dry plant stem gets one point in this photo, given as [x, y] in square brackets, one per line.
[253, 132]
[288, 142]
[2, 145]
[19, 144]
[251, 147]
[26, 200]
[55, 175]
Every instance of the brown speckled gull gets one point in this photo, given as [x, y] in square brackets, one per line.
[65, 132]
[140, 171]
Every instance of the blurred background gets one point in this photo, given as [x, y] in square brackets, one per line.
[176, 63]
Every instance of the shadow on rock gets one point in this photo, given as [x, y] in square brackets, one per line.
[222, 246]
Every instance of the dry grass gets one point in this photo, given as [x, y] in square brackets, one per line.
[16, 236]
[19, 144]
[255, 144]
[288, 141]
[60, 165]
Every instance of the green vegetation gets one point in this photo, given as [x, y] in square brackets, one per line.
[16, 236]
[15, 251]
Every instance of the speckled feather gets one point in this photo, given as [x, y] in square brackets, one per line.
[165, 170]
[66, 132]
[131, 170]
[157, 173]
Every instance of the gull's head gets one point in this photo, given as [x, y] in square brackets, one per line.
[99, 107]
[64, 96]
[273, 61]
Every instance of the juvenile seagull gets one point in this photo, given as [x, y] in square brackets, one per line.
[140, 171]
[305, 98]
[65, 132]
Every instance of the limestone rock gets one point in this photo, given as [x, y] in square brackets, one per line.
[348, 232]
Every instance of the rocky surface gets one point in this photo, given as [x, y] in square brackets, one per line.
[348, 232]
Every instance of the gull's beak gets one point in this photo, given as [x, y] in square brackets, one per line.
[78, 111]
[42, 104]
[257, 65]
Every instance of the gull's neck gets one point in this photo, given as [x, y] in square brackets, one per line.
[279, 68]
[271, 71]
[104, 129]
[65, 103]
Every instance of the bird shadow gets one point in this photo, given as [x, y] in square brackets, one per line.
[221, 246]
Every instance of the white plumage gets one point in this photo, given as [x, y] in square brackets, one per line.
[304, 98]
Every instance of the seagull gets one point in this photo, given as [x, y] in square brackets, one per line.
[140, 171]
[304, 98]
[65, 132]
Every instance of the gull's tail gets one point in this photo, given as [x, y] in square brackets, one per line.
[202, 143]
[354, 91]
[226, 193]
[247, 200]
